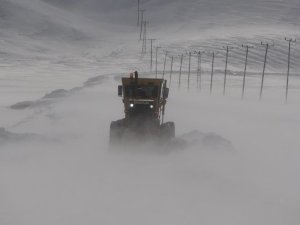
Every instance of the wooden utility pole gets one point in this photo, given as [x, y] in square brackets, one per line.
[151, 52]
[264, 69]
[156, 53]
[180, 70]
[144, 48]
[245, 70]
[166, 55]
[288, 72]
[189, 73]
[142, 20]
[138, 12]
[212, 72]
[226, 66]
[171, 71]
[199, 70]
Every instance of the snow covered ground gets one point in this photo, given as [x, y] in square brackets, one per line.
[242, 159]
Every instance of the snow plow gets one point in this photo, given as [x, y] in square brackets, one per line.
[144, 106]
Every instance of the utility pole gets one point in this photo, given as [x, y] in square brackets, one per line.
[226, 66]
[288, 72]
[264, 69]
[138, 16]
[189, 73]
[142, 20]
[180, 70]
[245, 70]
[199, 70]
[171, 71]
[212, 72]
[151, 53]
[156, 52]
[166, 54]
[144, 48]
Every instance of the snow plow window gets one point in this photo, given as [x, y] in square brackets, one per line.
[133, 91]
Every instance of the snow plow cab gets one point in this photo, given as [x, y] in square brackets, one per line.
[144, 107]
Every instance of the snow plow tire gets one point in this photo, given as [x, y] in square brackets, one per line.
[167, 130]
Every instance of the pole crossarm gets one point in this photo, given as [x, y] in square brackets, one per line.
[292, 40]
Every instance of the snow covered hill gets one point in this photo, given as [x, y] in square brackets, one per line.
[69, 37]
[44, 47]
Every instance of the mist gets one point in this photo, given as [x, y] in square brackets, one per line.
[233, 161]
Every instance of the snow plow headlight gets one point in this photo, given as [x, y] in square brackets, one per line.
[131, 105]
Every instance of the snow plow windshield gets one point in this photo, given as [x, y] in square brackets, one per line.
[141, 91]
[142, 88]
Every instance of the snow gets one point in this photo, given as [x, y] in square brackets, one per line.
[61, 62]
